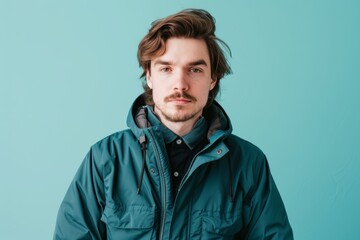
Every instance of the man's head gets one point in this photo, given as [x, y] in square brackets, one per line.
[187, 24]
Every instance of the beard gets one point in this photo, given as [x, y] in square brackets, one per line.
[179, 113]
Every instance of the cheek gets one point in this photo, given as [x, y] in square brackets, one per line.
[160, 87]
[158, 93]
[203, 95]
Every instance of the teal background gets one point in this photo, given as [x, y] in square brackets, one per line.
[68, 74]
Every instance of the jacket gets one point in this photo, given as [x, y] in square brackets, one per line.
[122, 190]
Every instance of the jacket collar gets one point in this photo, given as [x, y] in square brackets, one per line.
[140, 118]
[195, 136]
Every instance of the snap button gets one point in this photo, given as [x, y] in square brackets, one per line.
[179, 141]
[219, 151]
[176, 174]
[152, 170]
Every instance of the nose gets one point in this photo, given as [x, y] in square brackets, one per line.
[180, 81]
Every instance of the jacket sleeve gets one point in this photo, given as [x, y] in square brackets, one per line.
[266, 215]
[80, 212]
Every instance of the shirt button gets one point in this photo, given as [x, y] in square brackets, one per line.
[152, 170]
[179, 141]
[176, 174]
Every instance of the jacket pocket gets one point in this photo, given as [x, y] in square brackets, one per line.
[130, 222]
[216, 225]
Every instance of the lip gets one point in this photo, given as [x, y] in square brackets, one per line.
[180, 100]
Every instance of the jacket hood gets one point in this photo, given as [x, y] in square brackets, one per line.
[218, 121]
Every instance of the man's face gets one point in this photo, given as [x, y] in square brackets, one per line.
[181, 80]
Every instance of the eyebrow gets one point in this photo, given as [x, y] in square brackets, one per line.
[194, 63]
[198, 62]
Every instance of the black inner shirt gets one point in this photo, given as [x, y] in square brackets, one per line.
[180, 156]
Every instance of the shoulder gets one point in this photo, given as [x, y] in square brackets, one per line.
[115, 138]
[244, 154]
[235, 142]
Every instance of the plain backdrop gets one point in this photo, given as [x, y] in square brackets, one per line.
[69, 73]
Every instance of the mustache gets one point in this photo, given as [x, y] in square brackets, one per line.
[180, 95]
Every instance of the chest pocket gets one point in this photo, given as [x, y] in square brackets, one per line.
[216, 225]
[130, 222]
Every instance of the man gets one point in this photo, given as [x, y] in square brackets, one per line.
[177, 172]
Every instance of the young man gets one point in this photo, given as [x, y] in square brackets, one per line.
[177, 172]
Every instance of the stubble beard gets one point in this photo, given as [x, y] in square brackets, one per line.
[178, 116]
[180, 113]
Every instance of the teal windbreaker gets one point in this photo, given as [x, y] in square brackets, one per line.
[122, 190]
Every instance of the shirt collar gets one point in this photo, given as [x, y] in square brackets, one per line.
[194, 137]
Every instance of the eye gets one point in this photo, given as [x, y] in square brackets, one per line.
[195, 70]
[165, 69]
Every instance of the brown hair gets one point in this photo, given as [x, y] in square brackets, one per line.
[189, 23]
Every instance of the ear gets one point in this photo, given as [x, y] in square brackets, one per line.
[148, 79]
[213, 83]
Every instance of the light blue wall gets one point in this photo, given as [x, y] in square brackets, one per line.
[68, 74]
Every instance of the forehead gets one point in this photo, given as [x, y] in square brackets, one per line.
[184, 50]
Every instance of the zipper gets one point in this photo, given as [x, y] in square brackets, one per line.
[185, 176]
[188, 170]
[182, 180]
[192, 162]
[164, 188]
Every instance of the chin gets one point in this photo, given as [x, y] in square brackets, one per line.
[181, 117]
